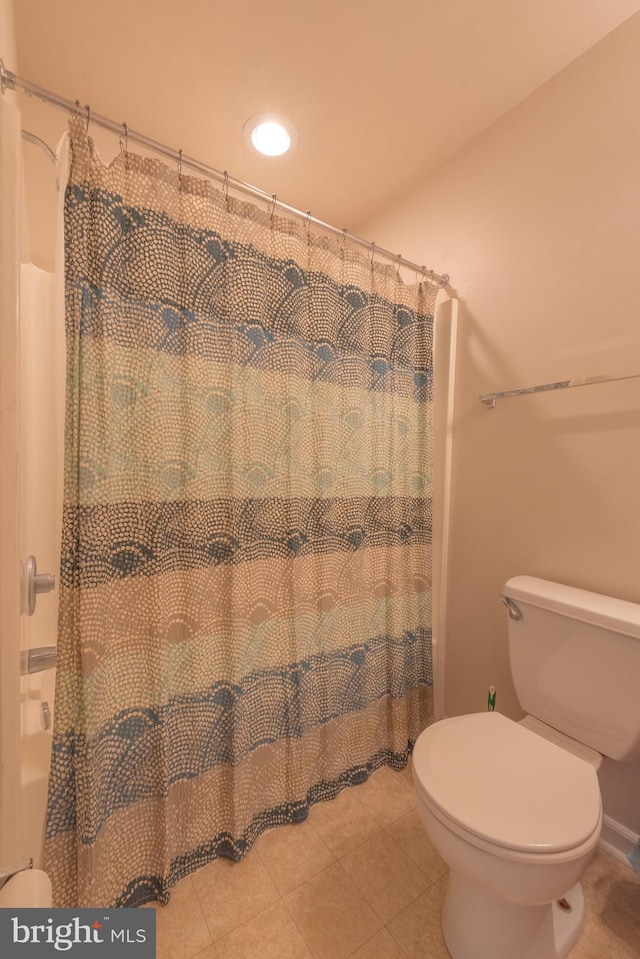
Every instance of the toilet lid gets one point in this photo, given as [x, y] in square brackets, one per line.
[505, 784]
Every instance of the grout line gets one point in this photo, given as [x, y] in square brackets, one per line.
[293, 920]
[363, 944]
[237, 928]
[308, 825]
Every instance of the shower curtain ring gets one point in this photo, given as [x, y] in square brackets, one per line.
[373, 252]
[344, 238]
[77, 110]
[125, 147]
[399, 258]
[274, 200]
[180, 163]
[88, 109]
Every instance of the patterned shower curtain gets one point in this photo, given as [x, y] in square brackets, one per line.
[245, 602]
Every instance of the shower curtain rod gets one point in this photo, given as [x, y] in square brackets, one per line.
[10, 81]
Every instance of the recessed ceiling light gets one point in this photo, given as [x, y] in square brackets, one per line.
[270, 134]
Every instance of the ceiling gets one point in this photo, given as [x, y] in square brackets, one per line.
[381, 91]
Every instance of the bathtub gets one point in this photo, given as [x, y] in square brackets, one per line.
[35, 744]
[36, 757]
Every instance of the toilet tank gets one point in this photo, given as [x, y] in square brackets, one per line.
[575, 663]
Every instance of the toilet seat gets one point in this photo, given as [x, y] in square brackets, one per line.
[492, 779]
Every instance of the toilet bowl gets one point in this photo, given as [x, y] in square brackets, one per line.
[516, 841]
[514, 808]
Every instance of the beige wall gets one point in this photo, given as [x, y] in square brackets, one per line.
[8, 34]
[538, 223]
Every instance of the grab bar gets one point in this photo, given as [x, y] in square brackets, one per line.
[37, 659]
[489, 399]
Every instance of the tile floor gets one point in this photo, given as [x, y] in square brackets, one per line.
[357, 879]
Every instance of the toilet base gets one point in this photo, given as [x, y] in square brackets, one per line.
[476, 925]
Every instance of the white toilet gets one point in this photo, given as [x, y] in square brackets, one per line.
[514, 808]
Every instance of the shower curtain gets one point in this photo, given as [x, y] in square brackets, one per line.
[245, 604]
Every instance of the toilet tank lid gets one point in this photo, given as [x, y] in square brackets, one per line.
[618, 615]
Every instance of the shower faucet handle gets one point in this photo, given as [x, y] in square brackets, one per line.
[35, 583]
